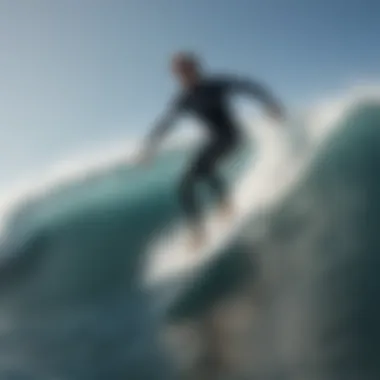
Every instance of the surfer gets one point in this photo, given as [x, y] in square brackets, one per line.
[205, 97]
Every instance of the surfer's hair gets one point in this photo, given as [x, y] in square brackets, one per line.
[186, 58]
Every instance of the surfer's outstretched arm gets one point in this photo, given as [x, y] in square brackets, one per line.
[164, 125]
[257, 91]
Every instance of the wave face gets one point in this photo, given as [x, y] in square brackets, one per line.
[73, 306]
[319, 260]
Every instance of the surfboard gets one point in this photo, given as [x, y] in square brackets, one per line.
[175, 251]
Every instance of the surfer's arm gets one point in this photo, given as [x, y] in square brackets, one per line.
[259, 92]
[163, 125]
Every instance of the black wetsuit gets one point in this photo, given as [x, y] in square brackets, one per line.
[208, 101]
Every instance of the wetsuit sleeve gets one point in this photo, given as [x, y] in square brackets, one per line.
[164, 124]
[254, 89]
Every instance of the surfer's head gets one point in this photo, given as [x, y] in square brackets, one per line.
[186, 67]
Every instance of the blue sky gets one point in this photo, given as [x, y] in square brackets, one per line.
[74, 73]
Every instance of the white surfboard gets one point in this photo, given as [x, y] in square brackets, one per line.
[263, 181]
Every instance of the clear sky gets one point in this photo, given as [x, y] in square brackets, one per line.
[76, 72]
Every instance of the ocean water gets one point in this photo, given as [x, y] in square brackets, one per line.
[301, 277]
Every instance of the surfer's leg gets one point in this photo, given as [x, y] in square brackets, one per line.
[200, 169]
[187, 196]
[217, 182]
[204, 168]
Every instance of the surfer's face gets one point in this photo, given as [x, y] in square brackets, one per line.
[186, 71]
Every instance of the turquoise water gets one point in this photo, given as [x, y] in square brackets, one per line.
[72, 305]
